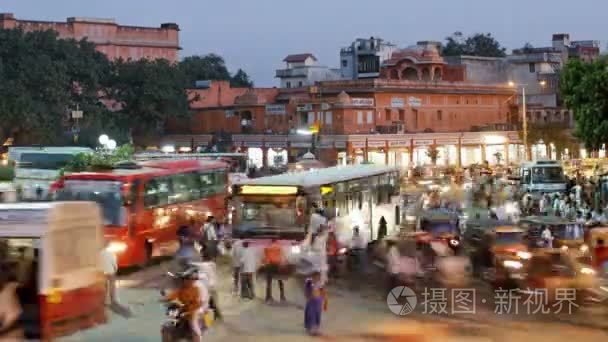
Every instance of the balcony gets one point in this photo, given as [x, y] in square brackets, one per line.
[294, 72]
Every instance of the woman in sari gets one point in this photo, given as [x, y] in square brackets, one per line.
[315, 300]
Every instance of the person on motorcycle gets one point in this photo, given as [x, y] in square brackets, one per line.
[190, 296]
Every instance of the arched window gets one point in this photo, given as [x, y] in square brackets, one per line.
[394, 74]
[409, 74]
[426, 74]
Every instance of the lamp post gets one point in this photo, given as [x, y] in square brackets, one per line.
[525, 113]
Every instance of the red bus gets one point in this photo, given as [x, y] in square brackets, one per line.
[144, 204]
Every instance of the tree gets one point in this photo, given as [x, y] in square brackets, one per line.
[241, 80]
[584, 90]
[211, 67]
[147, 93]
[528, 48]
[433, 153]
[100, 159]
[479, 44]
[42, 78]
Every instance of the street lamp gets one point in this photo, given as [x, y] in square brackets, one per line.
[111, 144]
[542, 83]
[104, 139]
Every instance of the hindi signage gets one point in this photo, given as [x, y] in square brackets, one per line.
[362, 102]
[397, 102]
[414, 101]
[275, 109]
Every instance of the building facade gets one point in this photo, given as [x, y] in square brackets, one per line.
[113, 40]
[364, 57]
[302, 70]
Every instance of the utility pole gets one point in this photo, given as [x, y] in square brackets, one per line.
[76, 115]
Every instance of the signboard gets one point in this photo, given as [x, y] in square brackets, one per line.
[326, 144]
[275, 109]
[340, 144]
[471, 141]
[376, 144]
[414, 101]
[77, 114]
[325, 106]
[252, 144]
[358, 144]
[229, 113]
[399, 143]
[447, 141]
[276, 144]
[427, 142]
[304, 107]
[397, 102]
[362, 102]
[301, 144]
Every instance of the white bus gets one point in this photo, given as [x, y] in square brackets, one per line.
[37, 168]
[542, 176]
[355, 195]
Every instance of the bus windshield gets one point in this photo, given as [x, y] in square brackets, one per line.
[553, 174]
[44, 161]
[568, 232]
[259, 216]
[106, 193]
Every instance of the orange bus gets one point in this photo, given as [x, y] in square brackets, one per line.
[144, 204]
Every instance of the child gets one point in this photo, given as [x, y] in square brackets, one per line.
[315, 301]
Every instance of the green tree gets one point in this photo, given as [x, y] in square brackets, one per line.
[211, 67]
[42, 78]
[241, 80]
[100, 159]
[147, 94]
[584, 90]
[479, 44]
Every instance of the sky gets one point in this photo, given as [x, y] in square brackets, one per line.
[256, 35]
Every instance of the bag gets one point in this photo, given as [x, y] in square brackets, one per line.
[208, 319]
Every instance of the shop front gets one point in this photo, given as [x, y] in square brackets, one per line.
[376, 152]
[399, 153]
[421, 155]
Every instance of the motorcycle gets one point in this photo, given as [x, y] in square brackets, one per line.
[176, 326]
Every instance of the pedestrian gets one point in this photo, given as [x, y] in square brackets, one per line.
[274, 260]
[208, 274]
[382, 228]
[547, 237]
[601, 256]
[332, 253]
[110, 267]
[248, 268]
[11, 328]
[319, 247]
[209, 235]
[237, 251]
[315, 304]
[358, 247]
[316, 219]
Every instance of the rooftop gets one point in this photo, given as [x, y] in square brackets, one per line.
[297, 58]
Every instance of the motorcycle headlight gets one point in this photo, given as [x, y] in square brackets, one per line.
[513, 264]
[564, 248]
[342, 251]
[587, 271]
[454, 242]
[296, 249]
[524, 255]
[584, 248]
[173, 313]
[116, 247]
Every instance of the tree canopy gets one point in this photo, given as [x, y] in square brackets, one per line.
[212, 67]
[479, 44]
[584, 90]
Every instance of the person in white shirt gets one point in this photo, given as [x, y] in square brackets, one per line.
[110, 267]
[393, 260]
[358, 247]
[11, 328]
[547, 237]
[208, 274]
[316, 220]
[249, 265]
[210, 241]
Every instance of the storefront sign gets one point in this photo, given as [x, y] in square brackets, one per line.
[304, 107]
[423, 142]
[326, 144]
[414, 101]
[237, 143]
[401, 143]
[362, 102]
[447, 141]
[301, 144]
[253, 144]
[376, 144]
[275, 109]
[229, 113]
[397, 102]
[471, 141]
[358, 144]
[276, 144]
[340, 144]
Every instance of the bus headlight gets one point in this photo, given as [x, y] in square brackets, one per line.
[587, 271]
[116, 247]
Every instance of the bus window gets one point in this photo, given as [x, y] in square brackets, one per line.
[526, 176]
[156, 192]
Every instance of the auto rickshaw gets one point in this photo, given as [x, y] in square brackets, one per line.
[498, 248]
[55, 248]
[553, 269]
[567, 235]
[443, 227]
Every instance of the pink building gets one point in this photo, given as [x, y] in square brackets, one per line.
[113, 40]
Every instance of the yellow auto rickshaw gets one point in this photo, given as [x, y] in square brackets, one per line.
[55, 249]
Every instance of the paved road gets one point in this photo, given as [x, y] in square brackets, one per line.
[357, 312]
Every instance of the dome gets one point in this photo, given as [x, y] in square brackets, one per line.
[308, 156]
[343, 98]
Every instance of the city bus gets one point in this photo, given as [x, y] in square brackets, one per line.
[36, 168]
[542, 176]
[351, 196]
[144, 204]
[238, 162]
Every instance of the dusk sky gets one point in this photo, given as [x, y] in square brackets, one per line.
[257, 34]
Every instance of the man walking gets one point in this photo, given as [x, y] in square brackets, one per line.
[248, 268]
[273, 260]
[110, 267]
